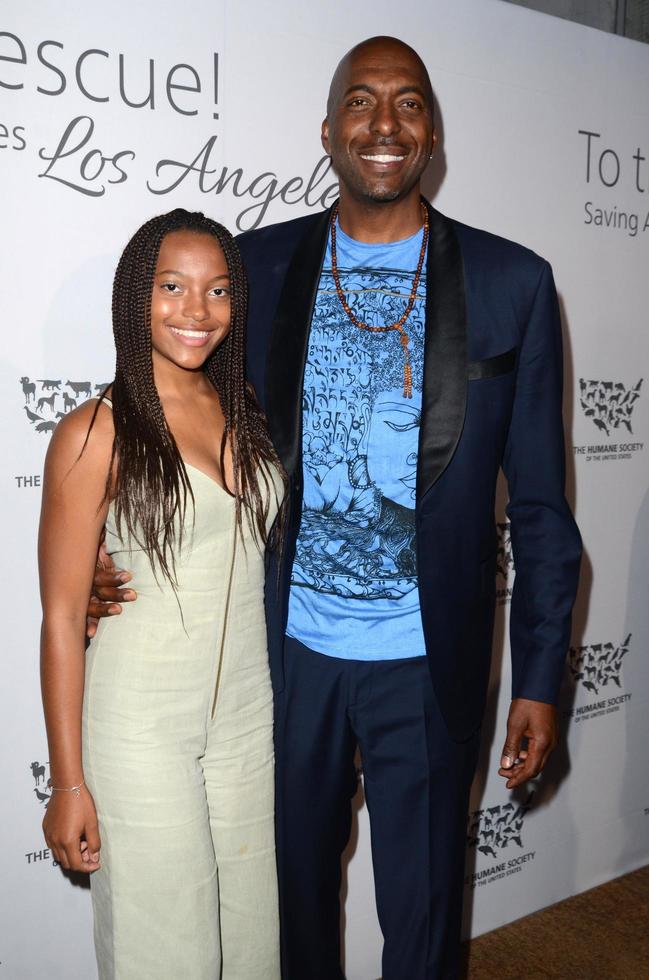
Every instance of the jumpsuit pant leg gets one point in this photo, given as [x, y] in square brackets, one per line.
[155, 897]
[239, 779]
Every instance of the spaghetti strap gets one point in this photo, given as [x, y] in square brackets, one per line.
[106, 401]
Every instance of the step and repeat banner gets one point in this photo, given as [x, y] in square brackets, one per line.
[132, 109]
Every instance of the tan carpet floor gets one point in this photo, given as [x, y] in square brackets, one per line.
[602, 934]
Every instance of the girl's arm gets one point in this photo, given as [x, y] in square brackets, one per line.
[72, 517]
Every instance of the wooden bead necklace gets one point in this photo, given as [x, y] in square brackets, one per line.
[399, 325]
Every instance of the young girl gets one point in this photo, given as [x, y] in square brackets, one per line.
[160, 736]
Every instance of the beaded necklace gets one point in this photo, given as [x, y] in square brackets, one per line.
[399, 325]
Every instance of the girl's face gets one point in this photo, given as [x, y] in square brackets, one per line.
[190, 304]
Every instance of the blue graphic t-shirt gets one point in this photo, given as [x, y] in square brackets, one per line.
[354, 582]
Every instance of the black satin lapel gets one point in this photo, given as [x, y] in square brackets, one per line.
[288, 342]
[445, 354]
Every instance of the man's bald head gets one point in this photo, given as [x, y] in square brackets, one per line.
[379, 129]
[377, 48]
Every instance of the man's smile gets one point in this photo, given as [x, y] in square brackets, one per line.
[382, 157]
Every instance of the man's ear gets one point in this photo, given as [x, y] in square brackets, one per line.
[324, 136]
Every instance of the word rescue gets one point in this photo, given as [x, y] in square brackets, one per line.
[104, 76]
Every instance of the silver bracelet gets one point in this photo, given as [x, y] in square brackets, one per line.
[66, 789]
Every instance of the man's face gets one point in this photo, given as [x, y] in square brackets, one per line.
[379, 130]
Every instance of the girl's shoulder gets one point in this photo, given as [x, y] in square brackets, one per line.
[84, 436]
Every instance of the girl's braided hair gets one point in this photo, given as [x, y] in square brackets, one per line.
[147, 470]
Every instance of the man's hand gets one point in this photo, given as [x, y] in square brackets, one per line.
[536, 722]
[107, 591]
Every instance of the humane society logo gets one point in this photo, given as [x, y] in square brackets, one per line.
[609, 405]
[594, 668]
[504, 563]
[494, 830]
[40, 772]
[48, 400]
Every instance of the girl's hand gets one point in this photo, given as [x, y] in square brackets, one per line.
[71, 831]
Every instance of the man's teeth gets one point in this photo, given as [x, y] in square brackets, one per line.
[382, 157]
[189, 333]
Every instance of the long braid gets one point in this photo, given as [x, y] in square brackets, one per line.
[251, 447]
[151, 481]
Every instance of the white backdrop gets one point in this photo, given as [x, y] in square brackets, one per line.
[544, 131]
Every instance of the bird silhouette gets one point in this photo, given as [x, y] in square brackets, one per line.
[32, 416]
[42, 797]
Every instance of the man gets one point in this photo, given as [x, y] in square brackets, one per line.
[402, 359]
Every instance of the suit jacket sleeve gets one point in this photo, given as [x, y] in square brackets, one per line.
[545, 540]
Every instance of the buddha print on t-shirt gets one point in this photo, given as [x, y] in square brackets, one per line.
[354, 581]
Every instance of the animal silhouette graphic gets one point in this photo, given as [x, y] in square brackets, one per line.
[32, 416]
[608, 404]
[68, 402]
[504, 554]
[598, 664]
[80, 387]
[43, 399]
[42, 797]
[495, 828]
[46, 401]
[38, 772]
[29, 390]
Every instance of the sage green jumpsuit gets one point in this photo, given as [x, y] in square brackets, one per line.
[178, 755]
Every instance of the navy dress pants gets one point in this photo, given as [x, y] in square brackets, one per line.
[417, 783]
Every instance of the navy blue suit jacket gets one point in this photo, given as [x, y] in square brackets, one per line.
[492, 394]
